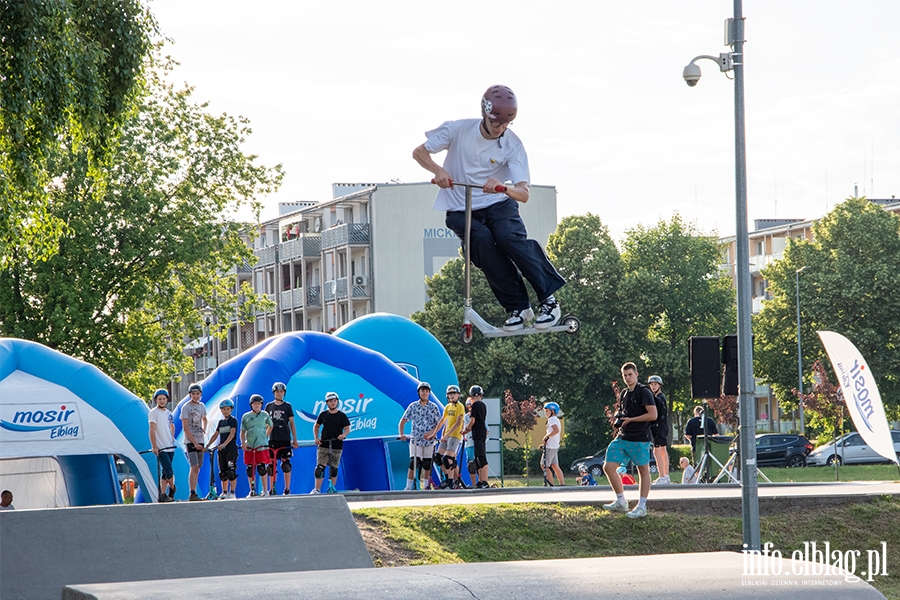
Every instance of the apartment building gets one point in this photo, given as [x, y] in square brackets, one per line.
[768, 241]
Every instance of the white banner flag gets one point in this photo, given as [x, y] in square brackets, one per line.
[860, 393]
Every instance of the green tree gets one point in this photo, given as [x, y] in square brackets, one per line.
[682, 293]
[849, 286]
[145, 247]
[69, 70]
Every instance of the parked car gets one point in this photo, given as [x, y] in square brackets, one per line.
[782, 450]
[594, 464]
[852, 449]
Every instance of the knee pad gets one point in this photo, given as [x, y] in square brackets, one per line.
[449, 462]
[412, 463]
[249, 472]
[480, 461]
[270, 469]
[334, 471]
[426, 465]
[319, 473]
[231, 475]
[261, 469]
[285, 466]
[223, 475]
[472, 468]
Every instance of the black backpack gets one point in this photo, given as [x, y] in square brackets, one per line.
[660, 427]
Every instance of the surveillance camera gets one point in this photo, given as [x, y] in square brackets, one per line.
[691, 74]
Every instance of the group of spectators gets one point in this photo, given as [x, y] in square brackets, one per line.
[458, 423]
[268, 437]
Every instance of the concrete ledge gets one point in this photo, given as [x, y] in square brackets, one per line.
[43, 550]
[662, 577]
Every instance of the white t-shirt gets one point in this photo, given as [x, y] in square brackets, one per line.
[689, 475]
[473, 159]
[164, 419]
[553, 440]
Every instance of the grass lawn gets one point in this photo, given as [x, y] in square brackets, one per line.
[506, 532]
[775, 474]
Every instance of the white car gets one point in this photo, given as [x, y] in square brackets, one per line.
[852, 449]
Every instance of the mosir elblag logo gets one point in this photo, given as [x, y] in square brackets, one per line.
[856, 381]
[354, 408]
[41, 421]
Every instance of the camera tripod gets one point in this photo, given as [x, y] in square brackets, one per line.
[733, 464]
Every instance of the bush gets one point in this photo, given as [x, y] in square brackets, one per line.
[514, 461]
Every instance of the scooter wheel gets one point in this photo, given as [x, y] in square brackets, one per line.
[572, 323]
[466, 335]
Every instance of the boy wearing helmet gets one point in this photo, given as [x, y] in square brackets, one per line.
[423, 416]
[551, 444]
[283, 437]
[335, 425]
[478, 426]
[660, 429]
[162, 441]
[228, 450]
[256, 426]
[193, 422]
[452, 421]
[485, 151]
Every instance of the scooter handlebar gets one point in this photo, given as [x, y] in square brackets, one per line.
[500, 189]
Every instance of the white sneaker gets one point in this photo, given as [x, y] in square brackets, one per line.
[616, 506]
[548, 314]
[637, 513]
[315, 491]
[517, 319]
[663, 479]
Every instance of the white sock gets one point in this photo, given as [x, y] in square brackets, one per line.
[409, 484]
[642, 503]
[620, 497]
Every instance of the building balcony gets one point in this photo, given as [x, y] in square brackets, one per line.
[265, 256]
[243, 268]
[313, 296]
[308, 245]
[340, 288]
[330, 290]
[353, 234]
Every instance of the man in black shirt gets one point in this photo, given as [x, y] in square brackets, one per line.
[335, 428]
[283, 437]
[637, 412]
[696, 426]
[478, 427]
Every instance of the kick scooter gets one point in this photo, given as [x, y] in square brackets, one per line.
[472, 319]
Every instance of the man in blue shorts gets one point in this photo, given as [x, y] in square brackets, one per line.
[637, 411]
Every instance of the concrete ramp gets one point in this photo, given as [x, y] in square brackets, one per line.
[43, 550]
[717, 575]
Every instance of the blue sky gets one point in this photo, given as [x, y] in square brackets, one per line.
[342, 91]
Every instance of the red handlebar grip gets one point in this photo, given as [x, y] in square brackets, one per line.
[500, 188]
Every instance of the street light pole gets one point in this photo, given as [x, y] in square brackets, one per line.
[799, 352]
[734, 61]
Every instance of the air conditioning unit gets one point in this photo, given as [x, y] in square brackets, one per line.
[360, 280]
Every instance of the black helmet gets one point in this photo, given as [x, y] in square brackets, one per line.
[279, 386]
[424, 385]
[476, 390]
[195, 387]
[256, 398]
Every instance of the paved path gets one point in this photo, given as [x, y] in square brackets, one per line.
[667, 494]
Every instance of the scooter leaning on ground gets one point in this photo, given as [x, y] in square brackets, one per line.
[471, 319]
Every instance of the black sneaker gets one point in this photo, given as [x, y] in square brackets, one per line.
[194, 497]
[445, 484]
[482, 485]
[517, 318]
[172, 492]
[272, 492]
[287, 492]
[548, 314]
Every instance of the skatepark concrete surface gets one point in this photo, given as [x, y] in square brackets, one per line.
[43, 550]
[716, 575]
